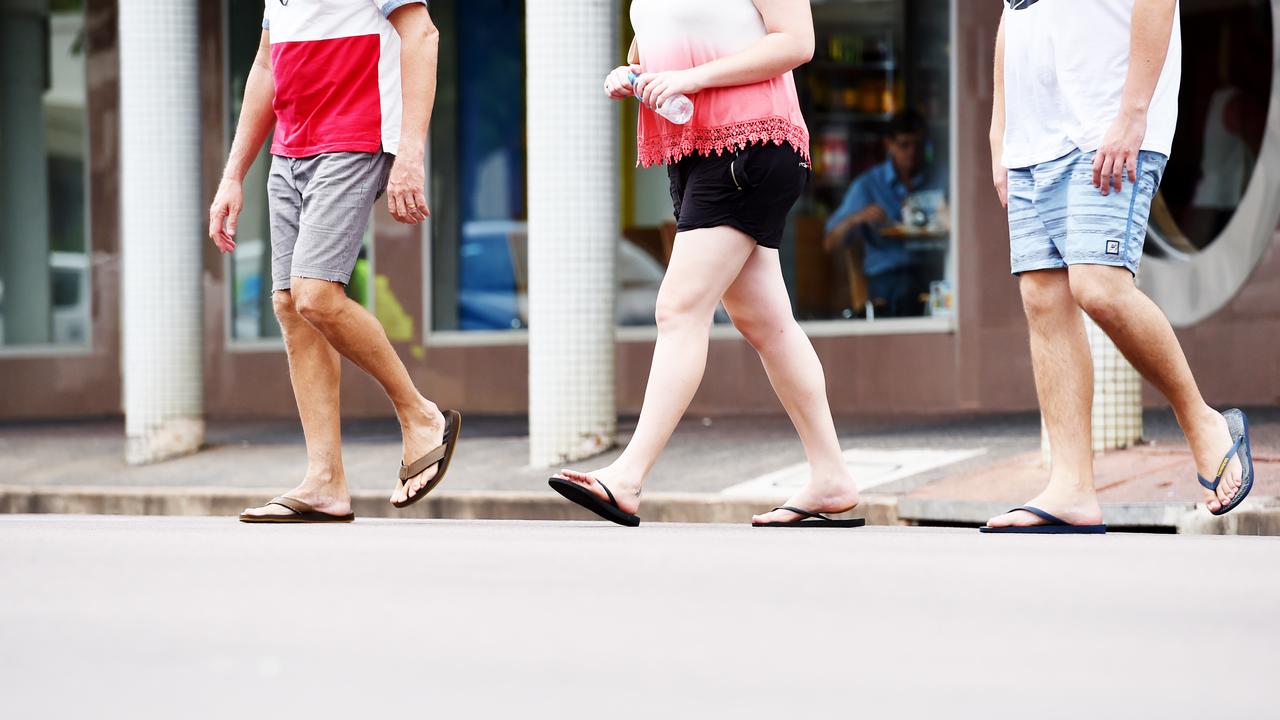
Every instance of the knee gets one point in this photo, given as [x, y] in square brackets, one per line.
[316, 300]
[282, 304]
[676, 309]
[1103, 301]
[1044, 295]
[760, 331]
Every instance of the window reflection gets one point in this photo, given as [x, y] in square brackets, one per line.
[1226, 85]
[44, 261]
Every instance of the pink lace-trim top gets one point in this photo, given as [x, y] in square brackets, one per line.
[723, 118]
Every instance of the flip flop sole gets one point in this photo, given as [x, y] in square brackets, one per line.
[455, 418]
[575, 493]
[302, 519]
[1238, 424]
[849, 523]
[1046, 530]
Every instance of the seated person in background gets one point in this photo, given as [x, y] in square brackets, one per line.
[875, 200]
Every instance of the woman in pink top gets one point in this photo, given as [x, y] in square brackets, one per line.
[736, 169]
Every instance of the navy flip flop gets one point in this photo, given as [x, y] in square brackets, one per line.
[1054, 525]
[610, 511]
[812, 519]
[1238, 424]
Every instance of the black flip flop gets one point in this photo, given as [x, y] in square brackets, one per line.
[812, 519]
[1053, 525]
[441, 456]
[573, 492]
[300, 513]
[1238, 424]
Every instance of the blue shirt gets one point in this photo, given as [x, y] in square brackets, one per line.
[880, 186]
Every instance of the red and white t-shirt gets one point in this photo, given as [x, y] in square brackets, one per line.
[336, 65]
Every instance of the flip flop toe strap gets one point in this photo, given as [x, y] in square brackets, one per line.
[803, 513]
[1222, 468]
[296, 506]
[1049, 518]
[434, 457]
[607, 491]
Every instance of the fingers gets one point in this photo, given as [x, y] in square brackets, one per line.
[421, 200]
[396, 204]
[233, 216]
[1117, 170]
[1002, 189]
[216, 215]
[1105, 173]
[1133, 168]
[1098, 158]
[221, 239]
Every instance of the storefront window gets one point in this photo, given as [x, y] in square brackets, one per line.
[249, 267]
[478, 160]
[44, 260]
[1222, 117]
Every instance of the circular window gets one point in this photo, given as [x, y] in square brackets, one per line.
[1217, 211]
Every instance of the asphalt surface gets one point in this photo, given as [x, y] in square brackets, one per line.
[110, 617]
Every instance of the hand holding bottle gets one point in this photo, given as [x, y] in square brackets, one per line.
[618, 84]
[663, 99]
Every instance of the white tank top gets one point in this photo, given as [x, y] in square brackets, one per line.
[1065, 63]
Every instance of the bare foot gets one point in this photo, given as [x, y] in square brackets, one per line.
[1210, 439]
[422, 432]
[329, 497]
[624, 484]
[1076, 507]
[817, 497]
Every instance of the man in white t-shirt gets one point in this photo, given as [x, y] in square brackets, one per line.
[1086, 103]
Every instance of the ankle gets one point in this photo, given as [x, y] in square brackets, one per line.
[1198, 420]
[417, 412]
[1075, 487]
[323, 475]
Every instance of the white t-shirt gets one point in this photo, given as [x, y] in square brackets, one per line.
[1065, 64]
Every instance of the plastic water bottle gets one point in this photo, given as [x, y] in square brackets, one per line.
[678, 108]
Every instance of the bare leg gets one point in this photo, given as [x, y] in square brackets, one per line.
[703, 264]
[1064, 383]
[355, 333]
[315, 371]
[761, 310]
[1143, 334]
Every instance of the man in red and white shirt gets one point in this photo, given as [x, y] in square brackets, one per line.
[349, 86]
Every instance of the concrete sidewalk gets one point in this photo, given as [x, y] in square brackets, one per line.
[950, 472]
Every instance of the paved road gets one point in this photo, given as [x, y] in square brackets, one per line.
[178, 617]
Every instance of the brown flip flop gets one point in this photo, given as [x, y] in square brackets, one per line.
[440, 456]
[302, 513]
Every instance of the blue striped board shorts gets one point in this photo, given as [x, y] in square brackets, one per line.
[1057, 218]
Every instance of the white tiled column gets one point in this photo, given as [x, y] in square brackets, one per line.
[573, 227]
[1117, 396]
[161, 228]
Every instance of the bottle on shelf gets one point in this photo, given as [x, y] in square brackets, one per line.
[678, 109]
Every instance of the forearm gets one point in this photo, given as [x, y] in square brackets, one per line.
[997, 99]
[419, 58]
[771, 56]
[633, 53]
[256, 120]
[1149, 46]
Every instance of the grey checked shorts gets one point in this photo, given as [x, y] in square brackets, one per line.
[319, 208]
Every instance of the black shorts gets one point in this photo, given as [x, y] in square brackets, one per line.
[750, 190]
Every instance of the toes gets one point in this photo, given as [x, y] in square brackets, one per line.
[580, 478]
